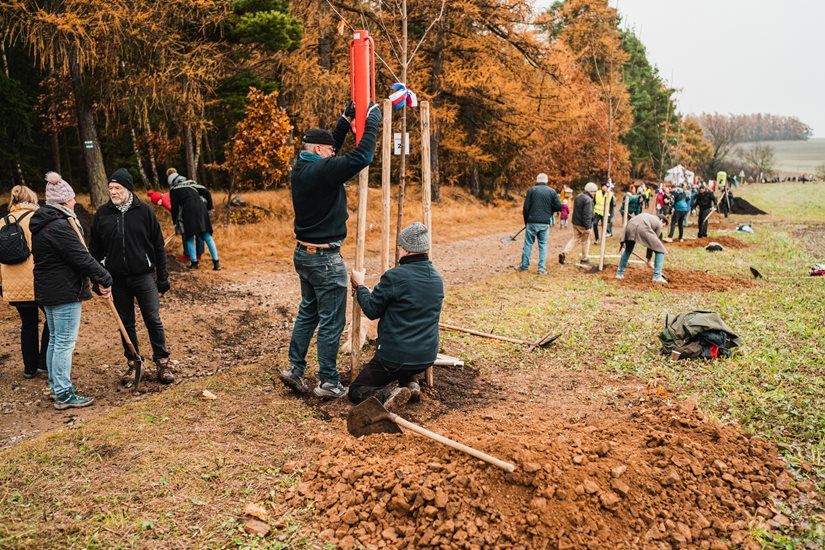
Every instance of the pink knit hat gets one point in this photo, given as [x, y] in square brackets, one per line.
[58, 190]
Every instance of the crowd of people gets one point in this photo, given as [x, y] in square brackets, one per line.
[49, 265]
[594, 209]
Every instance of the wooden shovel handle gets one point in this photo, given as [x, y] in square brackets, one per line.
[122, 328]
[506, 466]
[484, 334]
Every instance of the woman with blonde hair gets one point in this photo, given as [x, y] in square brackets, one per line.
[17, 285]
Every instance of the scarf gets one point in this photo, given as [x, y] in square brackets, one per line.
[180, 182]
[309, 157]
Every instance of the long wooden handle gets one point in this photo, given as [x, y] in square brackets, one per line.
[122, 328]
[506, 466]
[484, 334]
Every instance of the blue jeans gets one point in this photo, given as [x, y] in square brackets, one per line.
[323, 305]
[64, 324]
[210, 242]
[658, 262]
[534, 230]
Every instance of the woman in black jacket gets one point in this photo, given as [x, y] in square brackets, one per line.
[191, 204]
[61, 268]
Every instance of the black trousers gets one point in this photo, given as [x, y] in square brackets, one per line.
[33, 348]
[125, 290]
[375, 376]
[703, 222]
[677, 219]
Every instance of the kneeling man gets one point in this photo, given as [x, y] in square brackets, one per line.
[407, 300]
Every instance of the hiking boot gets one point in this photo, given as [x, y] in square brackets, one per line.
[70, 400]
[562, 257]
[397, 398]
[542, 272]
[659, 280]
[216, 265]
[29, 376]
[415, 391]
[164, 375]
[330, 390]
[584, 261]
[519, 268]
[192, 266]
[292, 380]
[620, 276]
[596, 241]
[668, 240]
[134, 372]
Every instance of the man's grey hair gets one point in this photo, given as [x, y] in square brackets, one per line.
[307, 146]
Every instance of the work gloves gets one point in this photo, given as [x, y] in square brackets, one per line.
[349, 112]
[163, 286]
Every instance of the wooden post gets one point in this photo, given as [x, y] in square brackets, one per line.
[426, 193]
[386, 160]
[360, 242]
[605, 217]
[626, 214]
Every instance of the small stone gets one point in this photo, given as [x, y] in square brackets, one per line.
[781, 520]
[590, 487]
[670, 478]
[578, 459]
[688, 405]
[532, 519]
[350, 517]
[538, 503]
[620, 487]
[256, 511]
[719, 465]
[603, 449]
[618, 470]
[389, 534]
[208, 395]
[783, 482]
[441, 498]
[609, 499]
[532, 467]
[256, 527]
[290, 467]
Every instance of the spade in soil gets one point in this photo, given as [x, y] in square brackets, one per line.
[813, 274]
[507, 239]
[370, 417]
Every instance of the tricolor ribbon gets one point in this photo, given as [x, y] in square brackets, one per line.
[402, 95]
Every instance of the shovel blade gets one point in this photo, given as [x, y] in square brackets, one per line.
[547, 341]
[370, 417]
[755, 273]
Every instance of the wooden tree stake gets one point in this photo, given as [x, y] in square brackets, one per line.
[606, 216]
[360, 242]
[386, 164]
[426, 192]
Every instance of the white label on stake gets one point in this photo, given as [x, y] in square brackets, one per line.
[396, 149]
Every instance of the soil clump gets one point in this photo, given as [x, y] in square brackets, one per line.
[658, 473]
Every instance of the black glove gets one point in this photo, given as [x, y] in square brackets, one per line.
[163, 286]
[374, 111]
[96, 289]
[349, 111]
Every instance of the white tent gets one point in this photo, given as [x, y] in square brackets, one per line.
[678, 175]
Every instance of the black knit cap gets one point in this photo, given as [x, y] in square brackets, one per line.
[318, 136]
[124, 178]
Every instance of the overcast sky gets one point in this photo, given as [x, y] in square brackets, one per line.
[736, 56]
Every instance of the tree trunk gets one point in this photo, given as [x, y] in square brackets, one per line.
[139, 160]
[326, 38]
[437, 102]
[152, 162]
[67, 157]
[475, 184]
[87, 126]
[402, 169]
[56, 153]
[189, 145]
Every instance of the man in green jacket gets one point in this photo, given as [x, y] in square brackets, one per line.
[407, 300]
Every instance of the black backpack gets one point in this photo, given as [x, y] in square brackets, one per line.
[13, 246]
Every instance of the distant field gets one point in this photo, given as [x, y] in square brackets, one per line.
[797, 157]
[781, 200]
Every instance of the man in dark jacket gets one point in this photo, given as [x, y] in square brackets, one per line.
[407, 300]
[127, 239]
[706, 201]
[582, 222]
[61, 268]
[540, 205]
[319, 200]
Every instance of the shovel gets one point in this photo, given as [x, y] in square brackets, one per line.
[370, 417]
[132, 350]
[757, 275]
[508, 239]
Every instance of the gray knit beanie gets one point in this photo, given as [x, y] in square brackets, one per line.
[415, 238]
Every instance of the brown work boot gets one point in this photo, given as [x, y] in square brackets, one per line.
[165, 376]
[133, 373]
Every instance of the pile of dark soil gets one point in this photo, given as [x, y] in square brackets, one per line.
[725, 241]
[656, 474]
[680, 280]
[741, 206]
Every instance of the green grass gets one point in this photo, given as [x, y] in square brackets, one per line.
[794, 202]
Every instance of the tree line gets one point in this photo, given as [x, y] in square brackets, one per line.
[225, 88]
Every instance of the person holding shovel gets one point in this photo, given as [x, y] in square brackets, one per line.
[705, 200]
[582, 222]
[127, 239]
[319, 200]
[644, 229]
[407, 300]
[62, 267]
[540, 206]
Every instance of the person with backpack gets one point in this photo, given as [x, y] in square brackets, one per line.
[681, 207]
[127, 239]
[191, 205]
[17, 278]
[62, 267]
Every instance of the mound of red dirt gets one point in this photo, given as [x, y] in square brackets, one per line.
[724, 240]
[679, 280]
[654, 474]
